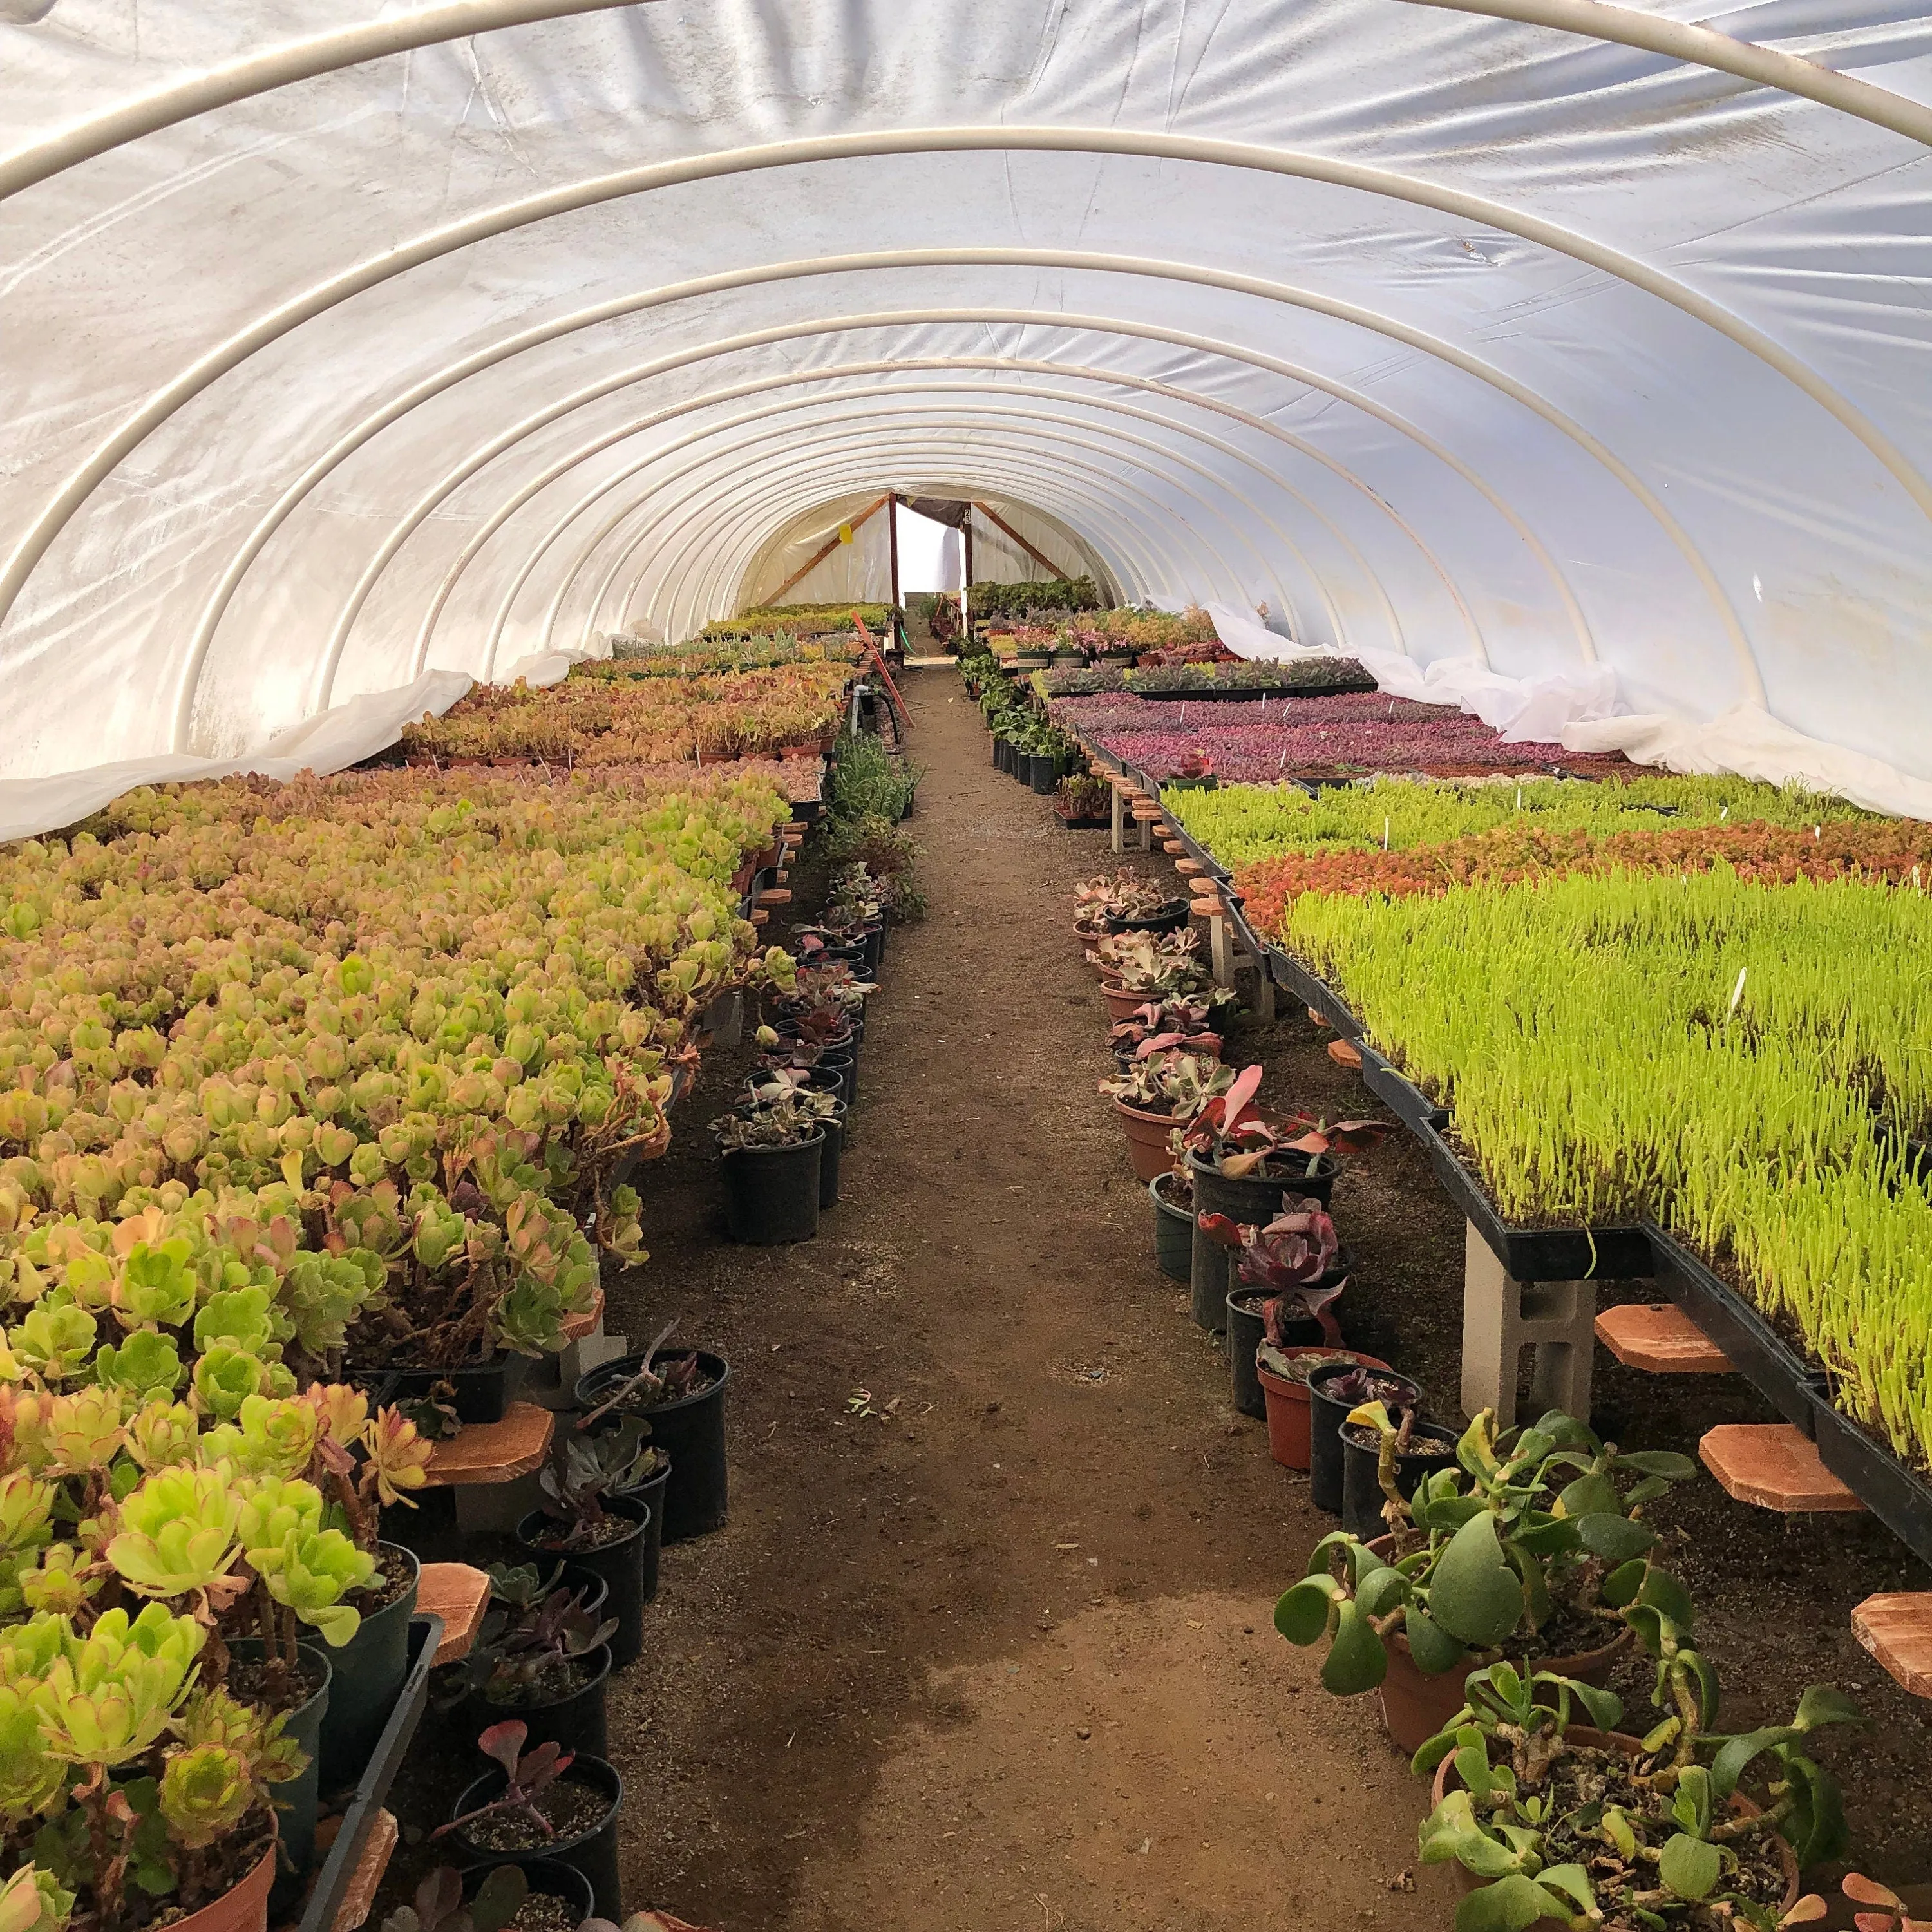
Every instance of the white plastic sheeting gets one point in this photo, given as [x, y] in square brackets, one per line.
[1446, 336]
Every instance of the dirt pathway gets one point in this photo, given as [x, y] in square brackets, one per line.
[989, 1644]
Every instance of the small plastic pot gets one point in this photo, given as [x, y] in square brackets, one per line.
[366, 1674]
[1430, 1448]
[549, 1878]
[771, 1194]
[1327, 1413]
[484, 1390]
[1288, 1410]
[844, 1062]
[1171, 917]
[576, 1722]
[593, 1852]
[690, 1431]
[1245, 1328]
[651, 1494]
[1173, 1230]
[829, 1159]
[620, 1563]
[297, 1800]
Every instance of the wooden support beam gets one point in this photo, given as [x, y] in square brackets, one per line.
[1896, 1629]
[993, 517]
[1771, 1464]
[823, 551]
[1661, 1339]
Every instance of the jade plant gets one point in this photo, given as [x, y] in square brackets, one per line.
[1535, 1545]
[1634, 1837]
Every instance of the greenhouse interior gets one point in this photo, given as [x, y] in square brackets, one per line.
[965, 967]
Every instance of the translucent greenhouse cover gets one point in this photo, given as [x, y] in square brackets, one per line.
[1578, 345]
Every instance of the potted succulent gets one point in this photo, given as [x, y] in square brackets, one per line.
[542, 1896]
[1137, 967]
[1547, 1821]
[793, 1091]
[1244, 1156]
[1291, 1262]
[1384, 1458]
[544, 1803]
[543, 1655]
[770, 1154]
[587, 1516]
[1282, 1370]
[680, 1394]
[124, 1769]
[1153, 1095]
[1083, 803]
[1533, 1547]
[1120, 902]
[1193, 771]
[1184, 1020]
[1336, 1391]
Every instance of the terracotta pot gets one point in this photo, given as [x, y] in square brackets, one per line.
[1121, 1004]
[243, 1907]
[1147, 1141]
[1288, 1410]
[1415, 1706]
[1467, 1882]
[1086, 935]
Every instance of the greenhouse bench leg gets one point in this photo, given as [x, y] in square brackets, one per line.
[1119, 819]
[1220, 952]
[1501, 1317]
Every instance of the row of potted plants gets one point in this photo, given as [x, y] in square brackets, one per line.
[701, 656]
[803, 620]
[593, 717]
[1246, 678]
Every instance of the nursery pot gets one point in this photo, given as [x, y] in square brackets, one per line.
[1147, 1141]
[1171, 917]
[1431, 1448]
[549, 1878]
[244, 1906]
[829, 1157]
[620, 1563]
[690, 1431]
[483, 1389]
[1327, 1413]
[1288, 1410]
[366, 1673]
[771, 1194]
[1122, 1004]
[1247, 1202]
[576, 1721]
[1741, 1806]
[593, 1852]
[297, 1799]
[651, 1494]
[1045, 777]
[1245, 1329]
[1173, 1230]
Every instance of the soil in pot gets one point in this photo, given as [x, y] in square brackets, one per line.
[690, 1431]
[1430, 1448]
[1283, 1375]
[771, 1194]
[566, 1706]
[560, 1898]
[244, 1906]
[580, 1810]
[617, 1555]
[1173, 1226]
[367, 1672]
[1333, 1390]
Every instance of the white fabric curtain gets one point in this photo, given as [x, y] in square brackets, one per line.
[405, 347]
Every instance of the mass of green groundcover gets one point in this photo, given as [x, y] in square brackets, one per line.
[1738, 1059]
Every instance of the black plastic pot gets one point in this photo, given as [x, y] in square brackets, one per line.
[620, 1563]
[651, 1494]
[548, 1878]
[483, 1392]
[842, 1061]
[1362, 1497]
[771, 1194]
[1326, 1415]
[1170, 917]
[1045, 776]
[1249, 1202]
[593, 1852]
[1173, 1231]
[1245, 1328]
[691, 1433]
[298, 1799]
[366, 1674]
[787, 1029]
[576, 1722]
[875, 949]
[829, 1159]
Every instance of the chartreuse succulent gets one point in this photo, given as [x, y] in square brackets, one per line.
[33, 1900]
[107, 1696]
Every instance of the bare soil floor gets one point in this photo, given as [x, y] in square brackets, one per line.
[987, 1642]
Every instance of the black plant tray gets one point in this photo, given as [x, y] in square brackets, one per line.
[1290, 973]
[1750, 1345]
[1899, 1498]
[338, 1867]
[1408, 1103]
[1104, 824]
[1537, 1254]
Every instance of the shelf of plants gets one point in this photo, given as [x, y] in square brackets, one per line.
[817, 622]
[311, 1085]
[1682, 1001]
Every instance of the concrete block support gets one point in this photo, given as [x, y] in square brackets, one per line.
[1501, 1317]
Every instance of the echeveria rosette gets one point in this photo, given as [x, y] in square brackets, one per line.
[61, 1580]
[206, 1792]
[270, 1437]
[180, 1531]
[311, 1573]
[108, 1696]
[54, 1340]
